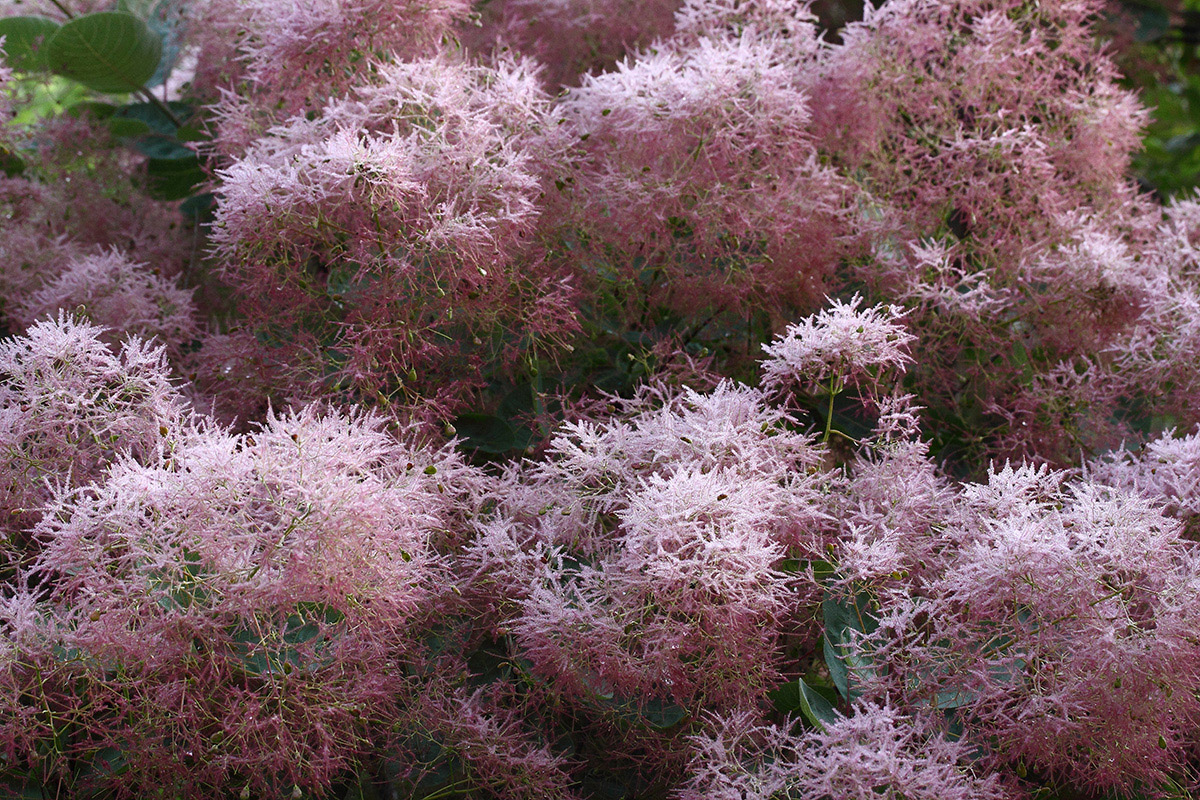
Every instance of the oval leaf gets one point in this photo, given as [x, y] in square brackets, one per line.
[173, 178]
[815, 707]
[118, 126]
[842, 616]
[108, 51]
[154, 117]
[24, 40]
[484, 432]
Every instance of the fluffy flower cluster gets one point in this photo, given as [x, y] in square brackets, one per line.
[120, 295]
[844, 343]
[644, 555]
[295, 55]
[699, 167]
[875, 753]
[237, 606]
[381, 246]
[1059, 625]
[571, 37]
[675, 593]
[69, 406]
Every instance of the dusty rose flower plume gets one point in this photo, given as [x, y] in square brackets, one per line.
[842, 346]
[877, 752]
[70, 405]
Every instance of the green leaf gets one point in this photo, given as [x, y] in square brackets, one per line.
[843, 616]
[300, 643]
[107, 52]
[486, 433]
[198, 207]
[661, 715]
[190, 133]
[127, 127]
[10, 163]
[173, 178]
[162, 147]
[21, 786]
[1153, 21]
[153, 116]
[94, 109]
[107, 762]
[815, 707]
[24, 41]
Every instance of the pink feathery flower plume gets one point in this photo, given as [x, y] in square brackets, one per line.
[845, 344]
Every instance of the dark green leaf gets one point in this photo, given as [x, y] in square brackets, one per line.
[1182, 144]
[21, 786]
[1153, 21]
[127, 127]
[662, 715]
[92, 108]
[173, 178]
[153, 116]
[268, 648]
[166, 148]
[10, 163]
[107, 52]
[190, 133]
[815, 707]
[105, 763]
[845, 616]
[198, 207]
[486, 433]
[24, 41]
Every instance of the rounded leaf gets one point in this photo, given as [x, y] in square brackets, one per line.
[24, 41]
[486, 433]
[108, 52]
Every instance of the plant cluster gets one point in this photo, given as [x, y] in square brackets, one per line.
[581, 399]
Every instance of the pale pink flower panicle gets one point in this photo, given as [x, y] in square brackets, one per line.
[699, 166]
[877, 752]
[383, 245]
[845, 345]
[70, 405]
[571, 38]
[112, 290]
[1060, 624]
[645, 552]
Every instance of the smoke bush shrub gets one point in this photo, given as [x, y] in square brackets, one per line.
[121, 295]
[1164, 470]
[571, 37]
[991, 147]
[270, 61]
[839, 346]
[644, 554]
[1058, 625]
[63, 205]
[818, 583]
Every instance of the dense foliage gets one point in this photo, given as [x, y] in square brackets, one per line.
[594, 399]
